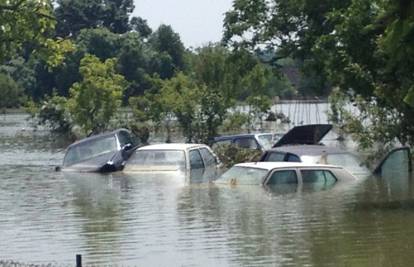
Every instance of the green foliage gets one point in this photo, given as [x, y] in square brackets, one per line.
[11, 94]
[168, 44]
[211, 114]
[232, 154]
[52, 113]
[23, 21]
[74, 15]
[259, 105]
[364, 48]
[140, 25]
[96, 98]
[22, 72]
[134, 62]
[181, 96]
[198, 110]
[100, 42]
[368, 122]
[235, 122]
[28, 25]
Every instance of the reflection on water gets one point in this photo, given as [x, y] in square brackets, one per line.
[152, 219]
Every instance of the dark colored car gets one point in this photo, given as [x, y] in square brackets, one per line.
[302, 144]
[260, 141]
[105, 152]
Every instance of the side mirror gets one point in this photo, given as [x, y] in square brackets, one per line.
[127, 147]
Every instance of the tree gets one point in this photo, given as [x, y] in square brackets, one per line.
[100, 42]
[95, 100]
[11, 93]
[364, 48]
[27, 25]
[180, 95]
[53, 113]
[74, 15]
[23, 73]
[140, 25]
[21, 21]
[167, 42]
[293, 27]
[259, 105]
[134, 63]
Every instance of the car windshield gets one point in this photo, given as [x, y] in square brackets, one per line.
[266, 141]
[243, 175]
[151, 158]
[347, 160]
[90, 149]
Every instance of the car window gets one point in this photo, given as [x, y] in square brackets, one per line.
[324, 177]
[124, 138]
[196, 161]
[293, 158]
[275, 156]
[90, 149]
[243, 175]
[209, 159]
[265, 141]
[158, 158]
[248, 142]
[283, 177]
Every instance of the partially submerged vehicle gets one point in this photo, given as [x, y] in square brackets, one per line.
[285, 173]
[302, 144]
[105, 152]
[260, 141]
[187, 160]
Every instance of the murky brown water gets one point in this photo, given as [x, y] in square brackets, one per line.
[49, 217]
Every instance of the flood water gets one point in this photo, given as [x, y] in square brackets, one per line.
[48, 217]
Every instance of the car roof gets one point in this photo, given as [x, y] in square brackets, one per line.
[275, 165]
[171, 146]
[309, 150]
[229, 137]
[98, 136]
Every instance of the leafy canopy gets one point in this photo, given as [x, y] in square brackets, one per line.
[95, 100]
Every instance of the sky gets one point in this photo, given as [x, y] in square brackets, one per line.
[198, 22]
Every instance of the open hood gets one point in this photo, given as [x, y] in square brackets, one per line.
[310, 134]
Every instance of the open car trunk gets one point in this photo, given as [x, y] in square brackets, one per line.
[310, 134]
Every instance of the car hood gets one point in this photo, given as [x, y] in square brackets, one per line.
[95, 164]
[310, 134]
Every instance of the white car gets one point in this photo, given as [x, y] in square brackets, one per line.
[194, 159]
[282, 173]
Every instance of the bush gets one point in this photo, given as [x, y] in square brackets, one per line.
[232, 154]
[53, 113]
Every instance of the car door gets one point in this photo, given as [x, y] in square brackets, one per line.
[197, 167]
[396, 164]
[317, 179]
[283, 181]
[210, 163]
[127, 144]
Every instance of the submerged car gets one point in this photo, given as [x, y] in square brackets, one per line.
[105, 152]
[195, 159]
[302, 144]
[284, 173]
[260, 141]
